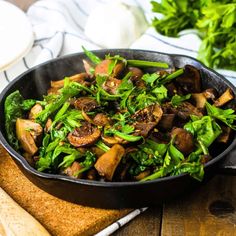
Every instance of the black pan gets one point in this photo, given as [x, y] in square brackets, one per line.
[35, 82]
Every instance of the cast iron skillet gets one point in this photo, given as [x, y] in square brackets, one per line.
[35, 82]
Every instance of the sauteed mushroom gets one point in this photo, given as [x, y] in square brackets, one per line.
[85, 103]
[73, 170]
[34, 111]
[111, 85]
[102, 68]
[84, 136]
[108, 162]
[27, 131]
[190, 81]
[224, 98]
[146, 119]
[183, 140]
[80, 78]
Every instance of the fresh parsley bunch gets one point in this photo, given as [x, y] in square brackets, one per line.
[215, 21]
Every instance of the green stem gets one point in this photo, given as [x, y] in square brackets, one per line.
[172, 76]
[62, 111]
[102, 146]
[127, 137]
[153, 176]
[140, 63]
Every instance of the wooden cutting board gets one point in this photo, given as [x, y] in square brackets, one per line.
[59, 217]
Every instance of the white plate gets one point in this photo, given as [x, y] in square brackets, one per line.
[16, 35]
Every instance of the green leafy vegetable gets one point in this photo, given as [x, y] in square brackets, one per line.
[95, 59]
[227, 116]
[215, 21]
[160, 92]
[12, 111]
[28, 104]
[150, 78]
[205, 129]
[176, 100]
[69, 91]
[88, 162]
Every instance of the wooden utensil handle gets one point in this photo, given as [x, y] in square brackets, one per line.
[14, 220]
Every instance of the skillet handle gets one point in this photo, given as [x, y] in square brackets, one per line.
[228, 165]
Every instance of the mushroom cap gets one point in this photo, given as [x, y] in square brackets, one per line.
[84, 136]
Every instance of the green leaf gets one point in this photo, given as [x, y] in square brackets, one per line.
[175, 154]
[205, 129]
[127, 129]
[160, 92]
[111, 66]
[227, 116]
[68, 160]
[12, 111]
[44, 163]
[28, 104]
[126, 84]
[96, 60]
[150, 78]
[176, 100]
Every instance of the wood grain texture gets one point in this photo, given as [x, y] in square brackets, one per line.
[208, 211]
[59, 217]
[148, 223]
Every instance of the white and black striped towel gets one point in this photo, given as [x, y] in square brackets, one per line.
[58, 26]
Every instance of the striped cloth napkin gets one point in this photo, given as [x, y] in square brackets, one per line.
[58, 26]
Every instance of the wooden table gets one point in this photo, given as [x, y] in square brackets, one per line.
[210, 210]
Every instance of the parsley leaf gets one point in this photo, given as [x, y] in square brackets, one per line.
[227, 116]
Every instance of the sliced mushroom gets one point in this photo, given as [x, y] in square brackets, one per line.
[183, 140]
[224, 98]
[86, 117]
[210, 94]
[111, 85]
[143, 129]
[102, 68]
[85, 103]
[166, 121]
[27, 131]
[225, 135]
[34, 111]
[80, 78]
[190, 80]
[146, 119]
[101, 119]
[108, 162]
[172, 89]
[136, 77]
[185, 109]
[200, 99]
[73, 170]
[84, 136]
